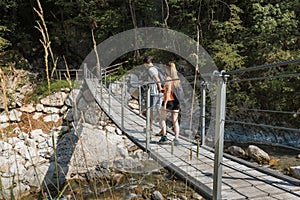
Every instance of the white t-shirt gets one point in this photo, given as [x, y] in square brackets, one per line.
[153, 87]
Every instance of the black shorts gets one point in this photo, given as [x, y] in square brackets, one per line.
[173, 105]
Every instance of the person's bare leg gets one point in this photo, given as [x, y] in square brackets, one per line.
[175, 115]
[163, 115]
[151, 119]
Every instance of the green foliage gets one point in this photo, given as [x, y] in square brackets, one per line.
[3, 42]
[42, 88]
[273, 32]
[226, 48]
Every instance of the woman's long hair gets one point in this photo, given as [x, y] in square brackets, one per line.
[174, 73]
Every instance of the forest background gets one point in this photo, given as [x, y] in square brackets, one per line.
[237, 34]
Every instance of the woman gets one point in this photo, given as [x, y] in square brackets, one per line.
[170, 103]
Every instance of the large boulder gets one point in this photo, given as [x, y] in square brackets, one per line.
[258, 154]
[56, 100]
[13, 116]
[71, 99]
[28, 108]
[88, 147]
[295, 171]
[236, 151]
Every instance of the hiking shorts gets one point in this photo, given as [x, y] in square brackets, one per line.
[173, 105]
[156, 101]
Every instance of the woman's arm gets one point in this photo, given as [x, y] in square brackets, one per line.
[168, 86]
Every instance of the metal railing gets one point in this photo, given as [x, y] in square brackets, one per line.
[220, 117]
[220, 109]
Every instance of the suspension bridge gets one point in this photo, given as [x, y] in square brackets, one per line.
[214, 174]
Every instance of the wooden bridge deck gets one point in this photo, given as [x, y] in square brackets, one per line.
[238, 181]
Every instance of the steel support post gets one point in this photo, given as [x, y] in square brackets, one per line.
[85, 70]
[219, 135]
[148, 120]
[203, 104]
[140, 100]
[105, 78]
[122, 104]
[101, 91]
[109, 94]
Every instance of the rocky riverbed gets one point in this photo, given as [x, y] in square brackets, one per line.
[43, 154]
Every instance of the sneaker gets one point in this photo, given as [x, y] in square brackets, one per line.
[176, 142]
[161, 133]
[163, 139]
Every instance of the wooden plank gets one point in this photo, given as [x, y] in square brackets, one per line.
[251, 192]
[231, 194]
[235, 182]
[286, 196]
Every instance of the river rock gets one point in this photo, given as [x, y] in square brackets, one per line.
[35, 175]
[133, 104]
[17, 168]
[5, 165]
[81, 104]
[13, 116]
[156, 195]
[88, 96]
[110, 129]
[23, 135]
[197, 196]
[20, 190]
[51, 110]
[128, 164]
[63, 110]
[4, 146]
[258, 154]
[37, 115]
[119, 131]
[69, 101]
[13, 141]
[236, 151]
[29, 108]
[122, 150]
[91, 116]
[39, 107]
[7, 182]
[118, 178]
[92, 147]
[51, 118]
[35, 133]
[56, 100]
[4, 125]
[68, 116]
[295, 171]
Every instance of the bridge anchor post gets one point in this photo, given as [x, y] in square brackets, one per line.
[148, 120]
[203, 104]
[219, 134]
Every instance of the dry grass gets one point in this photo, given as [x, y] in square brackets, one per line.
[27, 124]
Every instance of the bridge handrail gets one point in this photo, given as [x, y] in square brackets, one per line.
[276, 64]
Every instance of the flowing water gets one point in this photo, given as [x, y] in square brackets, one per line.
[137, 186]
[284, 157]
[133, 186]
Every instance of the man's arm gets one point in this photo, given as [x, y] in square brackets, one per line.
[157, 80]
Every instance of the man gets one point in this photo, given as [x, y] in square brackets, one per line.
[156, 90]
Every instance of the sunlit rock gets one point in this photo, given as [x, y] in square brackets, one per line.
[236, 151]
[156, 195]
[56, 100]
[295, 172]
[29, 108]
[258, 154]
